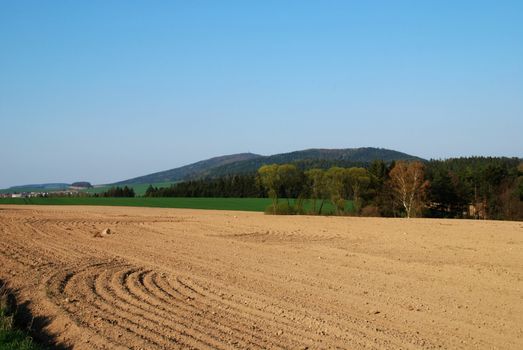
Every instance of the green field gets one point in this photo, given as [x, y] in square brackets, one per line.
[247, 204]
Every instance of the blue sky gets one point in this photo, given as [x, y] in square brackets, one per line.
[106, 90]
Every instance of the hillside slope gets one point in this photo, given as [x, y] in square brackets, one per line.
[47, 187]
[197, 169]
[315, 157]
[248, 163]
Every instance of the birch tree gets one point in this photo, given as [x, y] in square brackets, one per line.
[408, 185]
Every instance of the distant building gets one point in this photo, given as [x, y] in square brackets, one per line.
[16, 195]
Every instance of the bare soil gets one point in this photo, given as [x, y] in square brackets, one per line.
[168, 279]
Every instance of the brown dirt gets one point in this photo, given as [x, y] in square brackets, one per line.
[220, 280]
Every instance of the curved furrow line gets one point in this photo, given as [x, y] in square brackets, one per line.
[108, 299]
[123, 315]
[180, 314]
[143, 309]
[126, 289]
[16, 254]
[230, 316]
[32, 227]
[300, 331]
[122, 294]
[117, 316]
[12, 253]
[275, 237]
[272, 318]
[14, 258]
[127, 311]
[255, 340]
[198, 306]
[229, 323]
[76, 251]
[83, 282]
[31, 220]
[136, 290]
[237, 315]
[62, 278]
[202, 311]
[55, 286]
[49, 246]
[94, 223]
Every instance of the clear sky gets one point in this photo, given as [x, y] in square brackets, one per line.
[107, 90]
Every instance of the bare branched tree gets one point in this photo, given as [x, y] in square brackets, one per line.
[408, 186]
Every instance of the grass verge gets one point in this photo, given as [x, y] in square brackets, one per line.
[12, 337]
[244, 204]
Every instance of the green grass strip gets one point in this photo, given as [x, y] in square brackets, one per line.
[245, 204]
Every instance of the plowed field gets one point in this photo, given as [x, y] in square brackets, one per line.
[173, 278]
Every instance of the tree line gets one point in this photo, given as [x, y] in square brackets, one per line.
[477, 187]
[236, 186]
[118, 192]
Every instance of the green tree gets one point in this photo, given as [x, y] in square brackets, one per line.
[270, 180]
[443, 193]
[289, 180]
[336, 180]
[317, 183]
[150, 191]
[358, 180]
[378, 172]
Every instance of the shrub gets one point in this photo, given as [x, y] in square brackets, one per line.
[370, 211]
[283, 208]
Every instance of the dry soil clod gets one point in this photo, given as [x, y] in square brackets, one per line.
[105, 232]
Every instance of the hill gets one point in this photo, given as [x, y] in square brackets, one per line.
[315, 158]
[247, 163]
[48, 187]
[194, 170]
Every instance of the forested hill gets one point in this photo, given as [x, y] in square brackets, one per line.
[190, 171]
[315, 158]
[248, 163]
